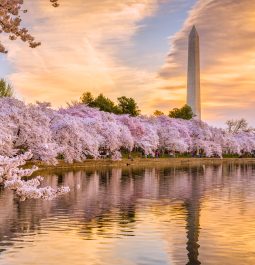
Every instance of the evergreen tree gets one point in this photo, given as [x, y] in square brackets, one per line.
[87, 99]
[185, 113]
[105, 104]
[128, 106]
[158, 113]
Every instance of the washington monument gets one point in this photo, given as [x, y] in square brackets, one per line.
[193, 95]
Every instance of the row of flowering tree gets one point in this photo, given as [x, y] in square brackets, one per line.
[79, 132]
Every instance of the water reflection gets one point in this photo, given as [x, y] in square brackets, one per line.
[185, 215]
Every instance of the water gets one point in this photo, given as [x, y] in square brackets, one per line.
[183, 215]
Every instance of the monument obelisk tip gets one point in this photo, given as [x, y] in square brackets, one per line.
[193, 28]
[193, 32]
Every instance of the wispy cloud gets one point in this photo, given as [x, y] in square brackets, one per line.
[82, 41]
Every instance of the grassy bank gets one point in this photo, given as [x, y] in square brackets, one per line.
[146, 162]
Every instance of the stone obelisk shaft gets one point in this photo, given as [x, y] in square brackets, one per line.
[193, 95]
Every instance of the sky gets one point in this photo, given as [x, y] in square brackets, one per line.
[137, 48]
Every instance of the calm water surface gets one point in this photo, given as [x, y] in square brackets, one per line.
[184, 215]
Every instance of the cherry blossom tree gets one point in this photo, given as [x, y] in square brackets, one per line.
[173, 134]
[26, 127]
[143, 132]
[105, 131]
[74, 140]
[246, 141]
[203, 139]
[79, 132]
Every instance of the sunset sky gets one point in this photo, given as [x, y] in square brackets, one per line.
[137, 48]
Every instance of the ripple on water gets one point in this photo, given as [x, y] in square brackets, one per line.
[184, 215]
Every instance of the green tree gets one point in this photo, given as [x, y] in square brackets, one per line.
[185, 113]
[87, 99]
[158, 113]
[101, 102]
[6, 89]
[125, 105]
[105, 104]
[128, 106]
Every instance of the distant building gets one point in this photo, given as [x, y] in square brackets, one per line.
[193, 83]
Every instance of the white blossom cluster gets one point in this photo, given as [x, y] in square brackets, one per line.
[11, 177]
[79, 132]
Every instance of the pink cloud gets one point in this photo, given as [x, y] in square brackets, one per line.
[227, 40]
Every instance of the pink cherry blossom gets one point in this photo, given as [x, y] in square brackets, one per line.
[11, 177]
[79, 132]
[10, 11]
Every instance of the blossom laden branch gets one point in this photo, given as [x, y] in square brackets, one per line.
[11, 177]
[10, 22]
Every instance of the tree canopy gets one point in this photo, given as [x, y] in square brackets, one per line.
[101, 102]
[158, 113]
[185, 113]
[128, 106]
[87, 99]
[125, 105]
[105, 104]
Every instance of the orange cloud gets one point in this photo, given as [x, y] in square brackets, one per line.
[83, 43]
[81, 46]
[227, 42]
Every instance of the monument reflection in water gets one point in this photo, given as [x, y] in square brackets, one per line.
[185, 215]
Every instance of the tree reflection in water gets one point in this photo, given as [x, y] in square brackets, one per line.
[105, 203]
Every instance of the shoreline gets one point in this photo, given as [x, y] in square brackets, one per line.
[137, 162]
